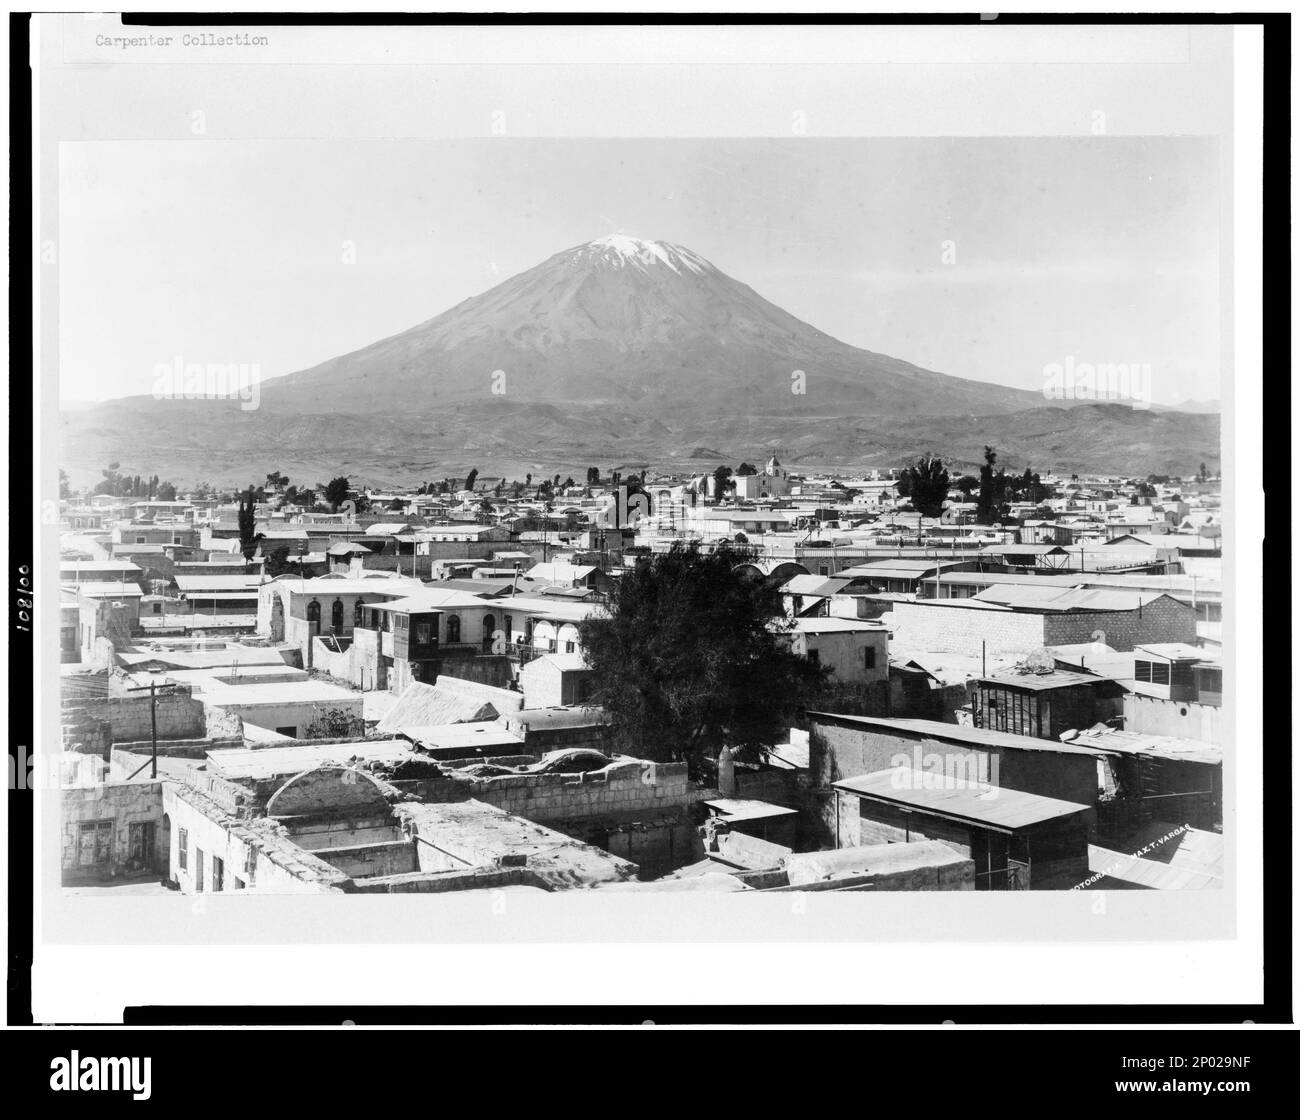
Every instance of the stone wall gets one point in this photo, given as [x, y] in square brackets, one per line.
[256, 855]
[963, 629]
[179, 715]
[122, 804]
[924, 625]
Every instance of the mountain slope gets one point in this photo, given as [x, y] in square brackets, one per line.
[615, 350]
[620, 321]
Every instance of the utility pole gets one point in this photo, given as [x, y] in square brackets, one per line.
[153, 729]
[153, 724]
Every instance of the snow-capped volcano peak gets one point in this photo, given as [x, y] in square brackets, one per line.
[622, 251]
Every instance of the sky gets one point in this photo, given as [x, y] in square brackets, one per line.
[984, 258]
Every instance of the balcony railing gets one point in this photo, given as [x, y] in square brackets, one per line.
[525, 653]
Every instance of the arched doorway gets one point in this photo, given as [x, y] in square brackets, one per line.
[489, 631]
[277, 619]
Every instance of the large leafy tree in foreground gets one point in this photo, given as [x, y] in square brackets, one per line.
[691, 658]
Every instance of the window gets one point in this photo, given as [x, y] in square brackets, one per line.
[357, 610]
[815, 656]
[218, 873]
[313, 614]
[570, 647]
[869, 657]
[1151, 672]
[422, 633]
[453, 629]
[95, 841]
[183, 848]
[198, 869]
[336, 616]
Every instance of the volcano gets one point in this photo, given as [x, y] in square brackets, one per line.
[623, 322]
[618, 349]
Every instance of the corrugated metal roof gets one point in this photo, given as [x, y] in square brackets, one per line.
[1022, 597]
[957, 733]
[1173, 651]
[1147, 872]
[1169, 747]
[1042, 682]
[1164, 856]
[814, 585]
[742, 809]
[992, 806]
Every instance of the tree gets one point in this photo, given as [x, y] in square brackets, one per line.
[65, 491]
[926, 485]
[593, 476]
[967, 484]
[746, 469]
[689, 659]
[471, 478]
[248, 534]
[277, 562]
[990, 506]
[111, 482]
[722, 482]
[166, 492]
[336, 491]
